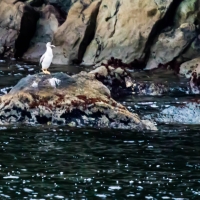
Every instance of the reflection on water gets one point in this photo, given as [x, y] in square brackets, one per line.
[44, 162]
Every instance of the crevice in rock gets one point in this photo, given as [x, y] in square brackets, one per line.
[99, 48]
[63, 14]
[19, 1]
[116, 11]
[160, 25]
[73, 115]
[113, 28]
[43, 119]
[27, 30]
[35, 3]
[89, 34]
[23, 113]
[83, 8]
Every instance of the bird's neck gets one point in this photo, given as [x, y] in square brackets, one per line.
[49, 50]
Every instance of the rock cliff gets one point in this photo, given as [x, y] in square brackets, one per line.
[150, 32]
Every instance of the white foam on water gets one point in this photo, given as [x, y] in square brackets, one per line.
[59, 197]
[101, 195]
[27, 190]
[114, 188]
[11, 177]
[6, 196]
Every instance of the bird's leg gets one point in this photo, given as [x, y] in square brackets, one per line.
[47, 72]
[44, 71]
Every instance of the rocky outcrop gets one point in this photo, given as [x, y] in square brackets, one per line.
[170, 44]
[47, 26]
[115, 75]
[123, 29]
[187, 68]
[191, 70]
[179, 39]
[193, 51]
[147, 33]
[17, 21]
[187, 12]
[72, 38]
[60, 99]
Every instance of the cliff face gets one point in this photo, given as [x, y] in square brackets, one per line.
[152, 32]
[17, 27]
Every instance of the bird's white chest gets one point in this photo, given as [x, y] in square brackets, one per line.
[49, 53]
[48, 57]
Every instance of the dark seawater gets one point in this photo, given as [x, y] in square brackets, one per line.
[58, 162]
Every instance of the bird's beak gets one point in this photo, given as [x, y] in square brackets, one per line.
[52, 46]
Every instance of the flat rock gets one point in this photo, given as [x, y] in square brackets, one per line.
[78, 100]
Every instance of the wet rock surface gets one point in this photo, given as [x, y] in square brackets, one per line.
[116, 76]
[60, 99]
[163, 34]
[191, 70]
[187, 113]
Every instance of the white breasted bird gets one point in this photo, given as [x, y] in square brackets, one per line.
[47, 57]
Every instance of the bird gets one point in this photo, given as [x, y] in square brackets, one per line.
[47, 57]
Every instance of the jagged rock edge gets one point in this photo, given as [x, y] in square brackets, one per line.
[89, 35]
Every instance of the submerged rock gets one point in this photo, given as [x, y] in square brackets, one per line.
[60, 99]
